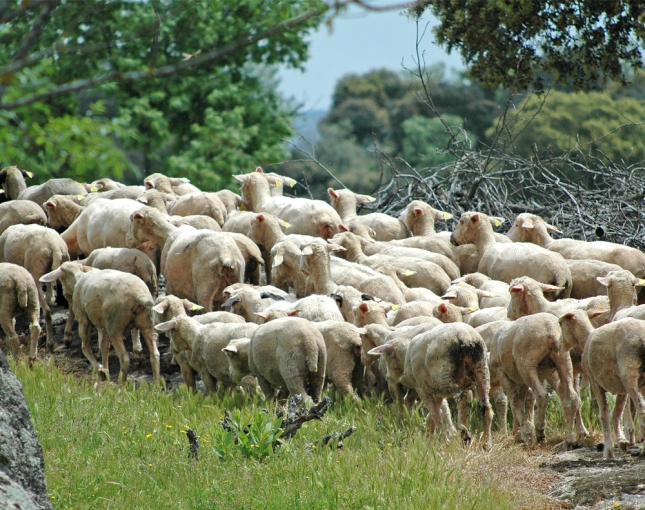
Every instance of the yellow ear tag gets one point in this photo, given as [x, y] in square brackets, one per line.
[474, 308]
[80, 197]
[242, 207]
[395, 307]
[196, 307]
[93, 189]
[286, 224]
[447, 216]
[369, 198]
[292, 183]
[641, 282]
[410, 273]
[497, 223]
[30, 174]
[1, 191]
[278, 184]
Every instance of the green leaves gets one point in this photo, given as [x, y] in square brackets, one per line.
[255, 438]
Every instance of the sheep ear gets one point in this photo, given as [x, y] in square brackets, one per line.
[367, 297]
[231, 349]
[271, 295]
[517, 288]
[259, 170]
[260, 218]
[360, 331]
[496, 221]
[332, 193]
[484, 293]
[364, 308]
[50, 204]
[592, 314]
[263, 315]
[241, 178]
[307, 250]
[337, 298]
[381, 349]
[137, 216]
[189, 306]
[293, 313]
[343, 228]
[551, 228]
[142, 199]
[51, 277]
[568, 317]
[335, 247]
[231, 301]
[475, 218]
[604, 280]
[149, 184]
[278, 259]
[161, 307]
[362, 199]
[449, 295]
[528, 223]
[550, 288]
[372, 232]
[442, 308]
[418, 212]
[87, 269]
[166, 326]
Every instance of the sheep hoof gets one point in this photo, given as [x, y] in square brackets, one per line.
[50, 348]
[31, 362]
[137, 355]
[466, 438]
[540, 435]
[103, 374]
[624, 446]
[67, 340]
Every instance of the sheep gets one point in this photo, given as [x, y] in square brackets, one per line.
[309, 217]
[486, 315]
[102, 224]
[387, 228]
[370, 313]
[612, 359]
[203, 344]
[531, 228]
[314, 308]
[12, 180]
[129, 192]
[419, 218]
[444, 362]
[413, 309]
[347, 299]
[114, 302]
[157, 199]
[168, 307]
[171, 185]
[208, 204]
[197, 264]
[248, 301]
[396, 249]
[506, 262]
[448, 313]
[198, 221]
[18, 296]
[525, 352]
[253, 260]
[230, 200]
[106, 184]
[324, 273]
[621, 291]
[410, 294]
[62, 211]
[285, 268]
[421, 273]
[291, 353]
[500, 295]
[39, 250]
[584, 273]
[237, 351]
[465, 295]
[20, 212]
[43, 192]
[239, 222]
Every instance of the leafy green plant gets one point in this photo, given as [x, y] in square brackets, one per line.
[255, 438]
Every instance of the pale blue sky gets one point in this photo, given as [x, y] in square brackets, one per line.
[359, 42]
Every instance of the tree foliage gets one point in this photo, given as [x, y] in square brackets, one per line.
[514, 43]
[153, 110]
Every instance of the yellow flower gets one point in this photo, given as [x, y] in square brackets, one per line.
[168, 426]
[389, 444]
[616, 504]
[148, 436]
[149, 465]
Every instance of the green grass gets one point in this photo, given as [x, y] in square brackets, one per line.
[109, 446]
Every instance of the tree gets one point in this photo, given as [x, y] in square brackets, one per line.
[514, 43]
[426, 140]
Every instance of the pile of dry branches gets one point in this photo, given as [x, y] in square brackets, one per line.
[585, 196]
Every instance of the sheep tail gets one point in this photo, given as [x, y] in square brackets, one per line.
[22, 293]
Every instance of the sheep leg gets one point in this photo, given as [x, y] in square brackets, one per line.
[84, 331]
[49, 294]
[343, 385]
[6, 322]
[601, 398]
[205, 294]
[636, 397]
[396, 393]
[628, 421]
[433, 418]
[482, 380]
[137, 348]
[210, 383]
[463, 406]
[410, 397]
[67, 335]
[533, 381]
[582, 430]
[517, 394]
[501, 408]
[150, 338]
[296, 385]
[124, 360]
[569, 398]
[104, 347]
[34, 334]
[265, 386]
[616, 415]
[47, 313]
[358, 377]
[187, 372]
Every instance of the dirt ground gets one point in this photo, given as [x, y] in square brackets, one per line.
[581, 478]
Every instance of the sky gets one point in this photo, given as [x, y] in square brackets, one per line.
[359, 42]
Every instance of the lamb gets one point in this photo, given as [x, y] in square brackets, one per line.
[323, 273]
[386, 227]
[422, 273]
[62, 211]
[18, 296]
[43, 192]
[197, 264]
[285, 268]
[20, 212]
[295, 360]
[347, 299]
[208, 204]
[449, 313]
[39, 250]
[114, 302]
[102, 224]
[203, 344]
[612, 359]
[531, 228]
[309, 217]
[370, 313]
[500, 295]
[621, 291]
[584, 273]
[12, 180]
[168, 307]
[248, 301]
[420, 218]
[525, 352]
[171, 185]
[508, 261]
[444, 362]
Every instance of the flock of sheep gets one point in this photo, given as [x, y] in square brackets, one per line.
[368, 303]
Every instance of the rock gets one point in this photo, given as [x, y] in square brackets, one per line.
[22, 466]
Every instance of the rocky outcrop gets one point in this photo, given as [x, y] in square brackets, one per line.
[22, 466]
